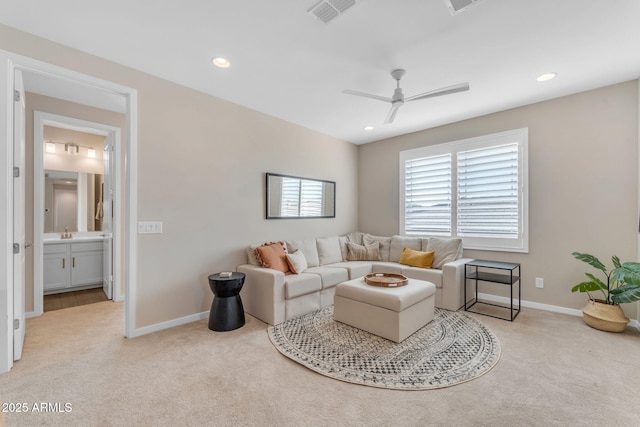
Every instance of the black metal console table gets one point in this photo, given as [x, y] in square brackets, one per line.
[477, 270]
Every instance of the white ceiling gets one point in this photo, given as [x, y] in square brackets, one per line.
[289, 65]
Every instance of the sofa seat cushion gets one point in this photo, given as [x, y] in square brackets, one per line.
[330, 276]
[426, 274]
[395, 299]
[386, 267]
[354, 268]
[296, 285]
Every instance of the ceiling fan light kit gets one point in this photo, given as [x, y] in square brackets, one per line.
[398, 99]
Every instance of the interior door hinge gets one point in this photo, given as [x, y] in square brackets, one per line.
[16, 324]
[16, 95]
[16, 172]
[16, 248]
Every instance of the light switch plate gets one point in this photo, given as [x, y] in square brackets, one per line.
[150, 227]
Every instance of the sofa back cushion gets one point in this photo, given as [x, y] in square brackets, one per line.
[384, 242]
[342, 240]
[398, 243]
[329, 250]
[446, 250]
[308, 248]
[251, 254]
[354, 237]
[272, 255]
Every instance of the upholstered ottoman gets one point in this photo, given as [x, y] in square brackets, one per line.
[392, 313]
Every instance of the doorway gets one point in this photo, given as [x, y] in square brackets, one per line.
[91, 174]
[75, 87]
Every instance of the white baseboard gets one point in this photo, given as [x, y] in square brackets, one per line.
[545, 307]
[169, 324]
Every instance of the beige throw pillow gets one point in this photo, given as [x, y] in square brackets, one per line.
[363, 253]
[297, 262]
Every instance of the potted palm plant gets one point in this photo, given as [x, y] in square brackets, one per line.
[622, 285]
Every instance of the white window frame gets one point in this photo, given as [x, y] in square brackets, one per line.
[519, 136]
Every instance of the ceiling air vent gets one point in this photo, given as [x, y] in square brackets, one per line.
[328, 10]
[456, 6]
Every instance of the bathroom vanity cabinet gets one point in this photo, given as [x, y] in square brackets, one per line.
[70, 265]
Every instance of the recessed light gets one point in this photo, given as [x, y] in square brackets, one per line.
[368, 128]
[221, 62]
[545, 77]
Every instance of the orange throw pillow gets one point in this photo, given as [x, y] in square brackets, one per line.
[272, 255]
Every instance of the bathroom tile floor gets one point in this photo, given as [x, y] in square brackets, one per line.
[73, 299]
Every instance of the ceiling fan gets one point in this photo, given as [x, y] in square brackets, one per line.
[398, 98]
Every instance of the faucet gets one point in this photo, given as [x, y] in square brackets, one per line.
[66, 234]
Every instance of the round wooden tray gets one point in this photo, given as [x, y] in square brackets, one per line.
[386, 280]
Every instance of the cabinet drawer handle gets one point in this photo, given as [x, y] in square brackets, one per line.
[73, 262]
[62, 262]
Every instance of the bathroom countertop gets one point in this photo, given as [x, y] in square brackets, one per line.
[74, 239]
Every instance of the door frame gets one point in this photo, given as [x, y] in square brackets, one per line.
[9, 62]
[40, 120]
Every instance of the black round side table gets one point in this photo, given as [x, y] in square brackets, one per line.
[227, 312]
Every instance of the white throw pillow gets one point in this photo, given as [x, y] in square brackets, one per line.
[297, 262]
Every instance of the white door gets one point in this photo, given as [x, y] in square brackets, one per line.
[107, 216]
[18, 216]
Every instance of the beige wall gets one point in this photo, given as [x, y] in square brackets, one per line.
[583, 194]
[201, 165]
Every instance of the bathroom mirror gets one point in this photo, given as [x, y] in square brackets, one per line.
[72, 200]
[297, 197]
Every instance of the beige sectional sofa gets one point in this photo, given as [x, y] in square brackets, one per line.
[274, 297]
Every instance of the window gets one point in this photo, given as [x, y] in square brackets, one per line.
[475, 189]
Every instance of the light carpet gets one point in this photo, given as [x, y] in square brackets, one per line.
[553, 371]
[451, 349]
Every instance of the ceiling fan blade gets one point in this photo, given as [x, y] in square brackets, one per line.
[439, 92]
[392, 113]
[367, 95]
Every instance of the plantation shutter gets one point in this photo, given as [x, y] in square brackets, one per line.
[488, 202]
[428, 195]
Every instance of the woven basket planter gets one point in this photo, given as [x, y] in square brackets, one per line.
[605, 317]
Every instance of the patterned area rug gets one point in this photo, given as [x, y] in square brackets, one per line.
[452, 349]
